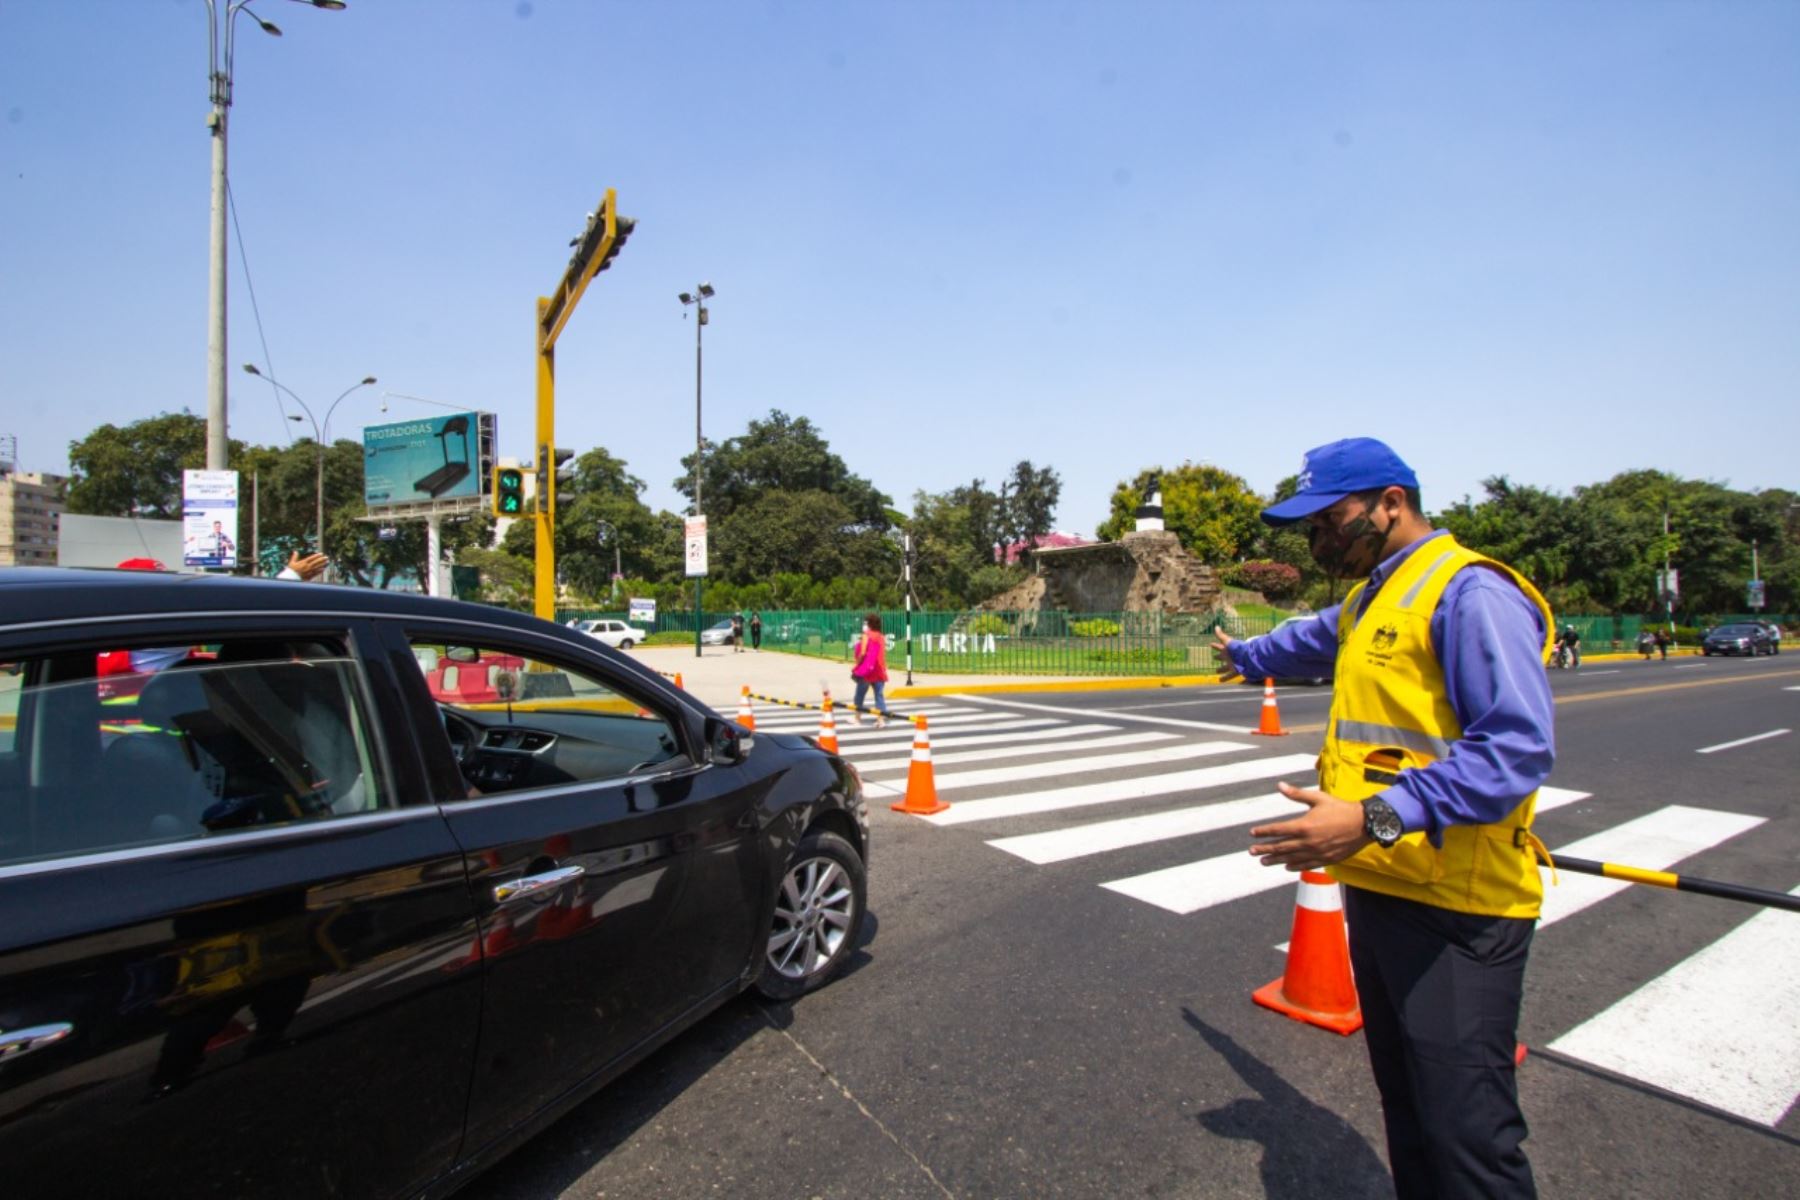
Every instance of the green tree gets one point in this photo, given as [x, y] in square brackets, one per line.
[1213, 512]
[780, 454]
[1027, 505]
[136, 469]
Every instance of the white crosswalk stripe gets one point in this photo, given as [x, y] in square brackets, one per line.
[1717, 1027]
[1069, 739]
[1121, 790]
[962, 780]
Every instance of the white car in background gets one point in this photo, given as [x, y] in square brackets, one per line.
[616, 634]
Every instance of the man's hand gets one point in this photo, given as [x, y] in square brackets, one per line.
[308, 566]
[1330, 832]
[1221, 645]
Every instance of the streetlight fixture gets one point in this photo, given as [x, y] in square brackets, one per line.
[219, 78]
[320, 432]
[698, 297]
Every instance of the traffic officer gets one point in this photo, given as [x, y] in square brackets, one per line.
[1440, 734]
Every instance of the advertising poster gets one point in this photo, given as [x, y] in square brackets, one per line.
[696, 546]
[433, 458]
[209, 519]
[643, 612]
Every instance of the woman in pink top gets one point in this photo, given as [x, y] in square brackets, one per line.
[870, 655]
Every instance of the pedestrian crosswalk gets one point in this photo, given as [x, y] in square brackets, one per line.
[1054, 784]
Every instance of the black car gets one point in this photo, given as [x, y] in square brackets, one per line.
[1741, 637]
[313, 891]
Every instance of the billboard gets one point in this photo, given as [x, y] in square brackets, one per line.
[428, 460]
[696, 546]
[209, 519]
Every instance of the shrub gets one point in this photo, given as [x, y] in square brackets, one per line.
[1096, 628]
[988, 623]
[1277, 581]
[1139, 656]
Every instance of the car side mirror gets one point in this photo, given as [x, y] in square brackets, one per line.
[726, 744]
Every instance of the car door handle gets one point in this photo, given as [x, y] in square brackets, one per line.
[17, 1042]
[530, 885]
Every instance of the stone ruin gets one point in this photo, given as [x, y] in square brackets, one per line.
[1147, 570]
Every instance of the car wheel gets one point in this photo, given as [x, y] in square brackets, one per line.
[818, 912]
[625, 644]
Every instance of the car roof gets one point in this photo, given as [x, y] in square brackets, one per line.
[41, 594]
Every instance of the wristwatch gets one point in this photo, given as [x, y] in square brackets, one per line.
[1381, 822]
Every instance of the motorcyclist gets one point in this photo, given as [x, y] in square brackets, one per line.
[1569, 642]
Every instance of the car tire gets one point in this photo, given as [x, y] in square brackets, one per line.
[625, 643]
[807, 945]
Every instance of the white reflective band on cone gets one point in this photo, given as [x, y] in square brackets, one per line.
[1319, 893]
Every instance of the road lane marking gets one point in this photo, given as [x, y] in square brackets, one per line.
[1655, 841]
[1090, 714]
[1761, 737]
[841, 712]
[1299, 766]
[957, 739]
[1248, 697]
[1591, 674]
[1060, 845]
[1717, 1028]
[956, 781]
[903, 762]
[1190, 887]
[1686, 666]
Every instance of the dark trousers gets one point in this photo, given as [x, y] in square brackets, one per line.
[1440, 1001]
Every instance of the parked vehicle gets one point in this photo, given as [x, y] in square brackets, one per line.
[375, 892]
[614, 633]
[717, 634]
[1740, 637]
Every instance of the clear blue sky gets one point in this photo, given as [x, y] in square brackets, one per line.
[1551, 240]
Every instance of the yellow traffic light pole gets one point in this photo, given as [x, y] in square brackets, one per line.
[595, 249]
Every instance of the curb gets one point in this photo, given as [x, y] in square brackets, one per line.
[1119, 683]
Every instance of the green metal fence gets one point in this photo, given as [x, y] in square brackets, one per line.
[1038, 642]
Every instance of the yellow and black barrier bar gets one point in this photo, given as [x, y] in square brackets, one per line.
[837, 705]
[1679, 883]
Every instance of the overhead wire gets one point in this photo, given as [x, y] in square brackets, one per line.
[256, 313]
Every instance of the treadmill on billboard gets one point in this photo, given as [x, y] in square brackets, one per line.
[438, 458]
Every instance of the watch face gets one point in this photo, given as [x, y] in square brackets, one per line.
[1381, 822]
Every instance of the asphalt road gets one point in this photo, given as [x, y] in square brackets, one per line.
[1016, 1027]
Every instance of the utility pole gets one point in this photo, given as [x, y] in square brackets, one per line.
[906, 569]
[698, 297]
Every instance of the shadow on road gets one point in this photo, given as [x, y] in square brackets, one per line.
[1308, 1150]
[551, 1163]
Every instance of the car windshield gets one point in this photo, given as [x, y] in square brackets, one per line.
[1737, 631]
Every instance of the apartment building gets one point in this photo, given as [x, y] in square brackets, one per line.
[31, 508]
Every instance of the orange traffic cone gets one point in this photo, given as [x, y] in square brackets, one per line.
[1317, 987]
[746, 715]
[678, 682]
[1271, 715]
[921, 788]
[827, 727]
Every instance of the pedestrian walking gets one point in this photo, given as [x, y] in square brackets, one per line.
[1662, 643]
[1440, 735]
[756, 632]
[737, 633]
[1646, 643]
[869, 654]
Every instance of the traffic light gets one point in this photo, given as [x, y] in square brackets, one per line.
[552, 469]
[509, 492]
[589, 243]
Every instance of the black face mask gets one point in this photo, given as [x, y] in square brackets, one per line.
[1351, 550]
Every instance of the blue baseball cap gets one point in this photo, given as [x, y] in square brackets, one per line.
[1338, 469]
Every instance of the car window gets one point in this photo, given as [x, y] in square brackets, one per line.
[516, 720]
[241, 735]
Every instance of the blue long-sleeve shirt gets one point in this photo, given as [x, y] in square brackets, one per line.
[1489, 639]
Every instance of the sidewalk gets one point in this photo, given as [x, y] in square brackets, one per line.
[718, 676]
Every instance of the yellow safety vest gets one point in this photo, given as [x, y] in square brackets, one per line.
[1389, 712]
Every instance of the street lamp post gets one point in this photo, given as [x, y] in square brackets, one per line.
[319, 434]
[219, 78]
[607, 533]
[698, 297]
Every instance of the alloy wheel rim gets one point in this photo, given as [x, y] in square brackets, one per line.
[812, 917]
